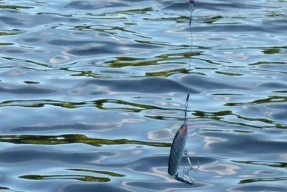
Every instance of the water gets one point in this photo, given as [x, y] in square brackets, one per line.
[92, 93]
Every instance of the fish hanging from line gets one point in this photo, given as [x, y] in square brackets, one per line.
[177, 151]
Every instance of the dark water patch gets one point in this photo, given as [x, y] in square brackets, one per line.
[23, 20]
[144, 85]
[206, 83]
[31, 82]
[75, 138]
[278, 106]
[144, 46]
[103, 49]
[31, 40]
[230, 27]
[11, 21]
[3, 188]
[257, 187]
[94, 127]
[232, 143]
[14, 7]
[85, 4]
[107, 48]
[176, 6]
[214, 6]
[220, 6]
[17, 51]
[65, 42]
[273, 85]
[92, 187]
[161, 186]
[27, 90]
[275, 25]
[26, 154]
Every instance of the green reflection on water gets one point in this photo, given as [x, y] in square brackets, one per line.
[271, 51]
[130, 61]
[270, 99]
[228, 73]
[74, 177]
[86, 73]
[9, 33]
[167, 73]
[221, 116]
[213, 19]
[75, 138]
[126, 61]
[99, 172]
[2, 44]
[269, 164]
[100, 104]
[131, 11]
[41, 103]
[253, 180]
[268, 63]
[135, 107]
[213, 115]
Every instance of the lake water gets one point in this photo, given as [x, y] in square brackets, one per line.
[93, 92]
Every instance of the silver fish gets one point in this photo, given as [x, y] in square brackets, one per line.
[177, 149]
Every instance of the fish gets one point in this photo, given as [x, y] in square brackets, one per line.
[177, 149]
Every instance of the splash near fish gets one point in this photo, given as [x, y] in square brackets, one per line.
[177, 150]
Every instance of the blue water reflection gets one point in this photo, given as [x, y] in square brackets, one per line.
[92, 93]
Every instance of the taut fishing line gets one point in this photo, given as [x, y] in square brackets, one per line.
[177, 149]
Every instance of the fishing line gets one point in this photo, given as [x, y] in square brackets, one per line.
[191, 7]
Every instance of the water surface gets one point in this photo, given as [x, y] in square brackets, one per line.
[92, 93]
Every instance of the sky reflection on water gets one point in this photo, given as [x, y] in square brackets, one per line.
[92, 93]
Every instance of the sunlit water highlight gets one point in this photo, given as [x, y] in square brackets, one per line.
[92, 93]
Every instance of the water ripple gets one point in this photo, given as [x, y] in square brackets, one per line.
[92, 93]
